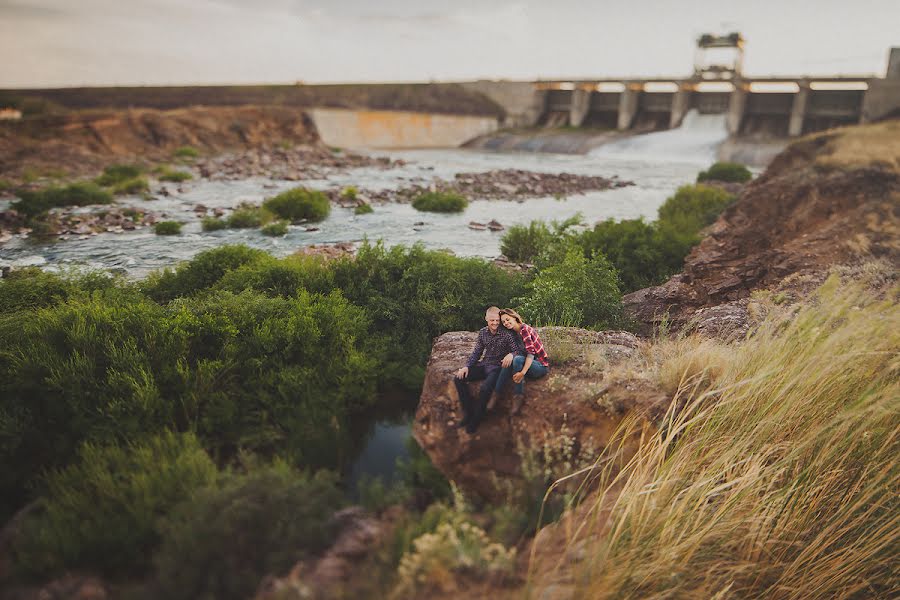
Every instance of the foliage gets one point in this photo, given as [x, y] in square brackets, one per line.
[420, 475]
[363, 209]
[275, 229]
[241, 370]
[447, 202]
[168, 174]
[200, 273]
[34, 203]
[167, 228]
[101, 512]
[299, 203]
[221, 543]
[186, 153]
[523, 243]
[135, 185]
[214, 224]
[32, 288]
[116, 174]
[350, 192]
[725, 171]
[577, 292]
[791, 446]
[247, 217]
[693, 207]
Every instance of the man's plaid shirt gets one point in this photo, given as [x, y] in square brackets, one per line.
[533, 345]
[494, 346]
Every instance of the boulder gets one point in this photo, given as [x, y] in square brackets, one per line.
[575, 399]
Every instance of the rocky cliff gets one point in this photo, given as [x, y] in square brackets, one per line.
[830, 199]
[572, 405]
[84, 142]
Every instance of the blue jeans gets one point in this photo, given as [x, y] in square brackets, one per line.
[535, 371]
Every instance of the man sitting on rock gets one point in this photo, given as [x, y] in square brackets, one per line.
[499, 346]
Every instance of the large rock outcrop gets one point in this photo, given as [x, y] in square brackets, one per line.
[804, 215]
[574, 400]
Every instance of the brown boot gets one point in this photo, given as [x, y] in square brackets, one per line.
[518, 401]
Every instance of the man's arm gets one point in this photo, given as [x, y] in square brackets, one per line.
[476, 353]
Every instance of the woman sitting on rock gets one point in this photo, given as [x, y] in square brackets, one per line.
[534, 365]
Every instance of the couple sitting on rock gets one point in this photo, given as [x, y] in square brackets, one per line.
[513, 351]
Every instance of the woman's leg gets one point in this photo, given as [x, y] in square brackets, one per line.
[535, 371]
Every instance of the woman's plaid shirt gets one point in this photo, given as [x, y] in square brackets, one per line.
[533, 344]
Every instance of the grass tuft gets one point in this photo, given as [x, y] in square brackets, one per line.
[446, 202]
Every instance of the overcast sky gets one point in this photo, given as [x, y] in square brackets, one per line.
[49, 43]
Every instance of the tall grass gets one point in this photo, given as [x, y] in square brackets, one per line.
[778, 481]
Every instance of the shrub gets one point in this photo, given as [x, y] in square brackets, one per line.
[693, 207]
[34, 203]
[578, 292]
[246, 217]
[214, 224]
[349, 193]
[32, 288]
[275, 229]
[186, 152]
[167, 228]
[221, 543]
[725, 171]
[447, 202]
[299, 203]
[168, 174]
[363, 209]
[135, 185]
[117, 174]
[198, 274]
[101, 512]
[523, 243]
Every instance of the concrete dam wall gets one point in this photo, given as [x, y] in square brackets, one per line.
[397, 129]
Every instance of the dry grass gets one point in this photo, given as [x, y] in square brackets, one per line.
[779, 481]
[864, 145]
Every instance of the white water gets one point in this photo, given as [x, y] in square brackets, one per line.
[695, 141]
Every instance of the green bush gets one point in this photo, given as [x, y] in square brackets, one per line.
[168, 174]
[198, 274]
[447, 202]
[578, 292]
[275, 229]
[221, 544]
[363, 209]
[299, 203]
[167, 228]
[34, 203]
[523, 243]
[693, 207]
[102, 512]
[350, 192]
[135, 185]
[117, 174]
[32, 288]
[214, 224]
[726, 171]
[246, 217]
[186, 152]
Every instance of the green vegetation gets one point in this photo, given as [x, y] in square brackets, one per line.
[275, 229]
[363, 209]
[298, 204]
[186, 153]
[214, 224]
[228, 537]
[523, 243]
[576, 292]
[167, 228]
[789, 444]
[726, 171]
[448, 202]
[136, 185]
[36, 203]
[92, 516]
[5, 185]
[116, 174]
[247, 217]
[350, 192]
[169, 174]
